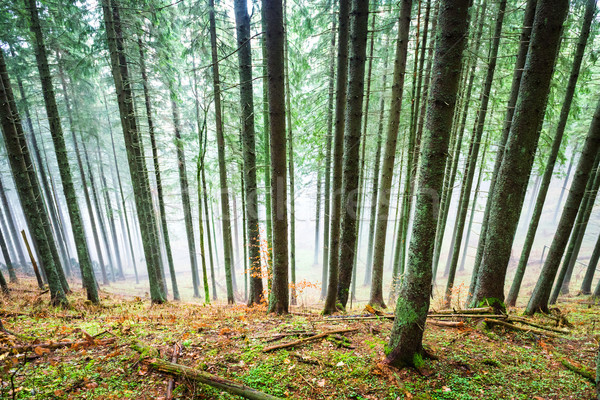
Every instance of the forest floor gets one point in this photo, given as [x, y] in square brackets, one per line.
[228, 341]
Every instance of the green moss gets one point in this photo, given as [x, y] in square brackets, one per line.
[495, 302]
[418, 360]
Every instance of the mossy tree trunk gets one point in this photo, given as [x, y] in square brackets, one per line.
[405, 347]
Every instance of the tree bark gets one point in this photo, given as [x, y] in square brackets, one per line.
[586, 285]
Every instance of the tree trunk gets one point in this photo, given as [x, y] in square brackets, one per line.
[389, 154]
[587, 162]
[586, 285]
[565, 181]
[157, 173]
[249, 152]
[317, 215]
[226, 220]
[10, 221]
[583, 217]
[548, 172]
[28, 189]
[509, 192]
[405, 346]
[510, 109]
[329, 139]
[133, 145]
[350, 183]
[273, 14]
[474, 154]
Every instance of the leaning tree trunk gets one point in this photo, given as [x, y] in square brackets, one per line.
[548, 172]
[226, 220]
[474, 154]
[583, 217]
[350, 183]
[405, 346]
[249, 151]
[28, 190]
[510, 109]
[8, 262]
[9, 257]
[133, 145]
[509, 192]
[587, 161]
[12, 228]
[586, 285]
[389, 154]
[273, 14]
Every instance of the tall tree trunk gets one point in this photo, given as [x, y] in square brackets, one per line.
[122, 196]
[11, 253]
[350, 183]
[133, 145]
[587, 162]
[389, 154]
[318, 215]
[211, 238]
[27, 186]
[474, 153]
[565, 181]
[273, 14]
[509, 192]
[157, 174]
[249, 152]
[227, 246]
[329, 141]
[338, 149]
[586, 285]
[9, 266]
[405, 346]
[510, 109]
[548, 172]
[460, 121]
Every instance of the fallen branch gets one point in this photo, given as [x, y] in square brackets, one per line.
[171, 384]
[580, 370]
[223, 384]
[447, 324]
[308, 339]
[480, 310]
[527, 322]
[466, 316]
[518, 328]
[54, 345]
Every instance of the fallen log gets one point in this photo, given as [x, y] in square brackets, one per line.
[466, 316]
[223, 384]
[530, 323]
[447, 324]
[579, 369]
[54, 345]
[518, 328]
[308, 339]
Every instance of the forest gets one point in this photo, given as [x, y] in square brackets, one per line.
[325, 199]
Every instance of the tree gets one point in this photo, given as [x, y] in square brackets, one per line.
[509, 192]
[28, 188]
[405, 347]
[589, 155]
[249, 150]
[338, 149]
[227, 246]
[274, 34]
[556, 142]
[389, 154]
[135, 157]
[350, 182]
